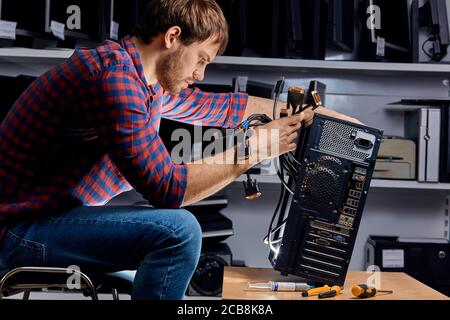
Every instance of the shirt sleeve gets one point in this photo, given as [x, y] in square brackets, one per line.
[194, 106]
[116, 107]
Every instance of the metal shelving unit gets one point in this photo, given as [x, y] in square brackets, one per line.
[18, 55]
[250, 62]
[404, 208]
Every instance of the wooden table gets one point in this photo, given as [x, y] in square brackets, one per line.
[235, 286]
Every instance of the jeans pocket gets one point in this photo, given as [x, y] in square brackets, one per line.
[16, 251]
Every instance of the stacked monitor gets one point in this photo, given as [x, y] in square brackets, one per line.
[341, 18]
[31, 22]
[30, 17]
[404, 30]
[83, 20]
[292, 28]
[385, 33]
[126, 15]
[434, 15]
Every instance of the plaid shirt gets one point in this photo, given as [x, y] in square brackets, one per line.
[87, 130]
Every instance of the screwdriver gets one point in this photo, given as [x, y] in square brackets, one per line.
[316, 291]
[335, 290]
[364, 291]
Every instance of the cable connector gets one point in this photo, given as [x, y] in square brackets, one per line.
[279, 86]
[317, 101]
[296, 97]
[251, 188]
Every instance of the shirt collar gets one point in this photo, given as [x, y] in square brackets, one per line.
[131, 48]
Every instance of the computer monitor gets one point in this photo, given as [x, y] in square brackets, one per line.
[235, 14]
[341, 18]
[415, 30]
[29, 15]
[261, 30]
[294, 29]
[83, 19]
[390, 40]
[436, 18]
[126, 13]
[305, 29]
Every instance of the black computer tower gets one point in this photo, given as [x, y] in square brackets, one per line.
[320, 224]
[427, 262]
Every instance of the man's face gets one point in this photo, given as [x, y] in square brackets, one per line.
[185, 65]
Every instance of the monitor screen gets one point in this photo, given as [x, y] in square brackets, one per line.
[29, 15]
[341, 17]
[437, 22]
[235, 14]
[305, 29]
[388, 37]
[262, 28]
[82, 18]
[127, 13]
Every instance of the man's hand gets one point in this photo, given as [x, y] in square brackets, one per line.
[328, 112]
[262, 105]
[276, 137]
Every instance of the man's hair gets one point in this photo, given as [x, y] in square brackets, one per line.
[199, 20]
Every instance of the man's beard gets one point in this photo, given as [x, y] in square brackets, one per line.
[168, 72]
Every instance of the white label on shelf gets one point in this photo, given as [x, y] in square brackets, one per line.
[8, 29]
[57, 29]
[393, 258]
[381, 45]
[114, 32]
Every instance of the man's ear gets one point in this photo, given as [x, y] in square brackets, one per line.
[172, 36]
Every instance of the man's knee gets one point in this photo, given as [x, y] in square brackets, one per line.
[188, 232]
[188, 229]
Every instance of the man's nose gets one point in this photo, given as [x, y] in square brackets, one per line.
[199, 75]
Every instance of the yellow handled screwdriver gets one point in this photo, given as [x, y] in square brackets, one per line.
[334, 291]
[316, 291]
[364, 291]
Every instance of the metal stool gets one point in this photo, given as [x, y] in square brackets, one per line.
[26, 279]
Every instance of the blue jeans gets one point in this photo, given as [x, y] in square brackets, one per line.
[163, 245]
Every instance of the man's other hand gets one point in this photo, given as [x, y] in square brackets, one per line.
[276, 137]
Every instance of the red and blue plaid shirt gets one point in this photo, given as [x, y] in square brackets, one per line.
[87, 130]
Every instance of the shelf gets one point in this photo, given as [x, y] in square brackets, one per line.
[26, 54]
[332, 65]
[375, 183]
[405, 184]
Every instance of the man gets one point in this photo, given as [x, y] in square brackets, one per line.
[87, 130]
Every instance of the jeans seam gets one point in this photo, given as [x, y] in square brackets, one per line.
[56, 220]
[30, 244]
[165, 287]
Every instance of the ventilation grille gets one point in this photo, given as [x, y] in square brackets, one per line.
[336, 138]
[323, 181]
